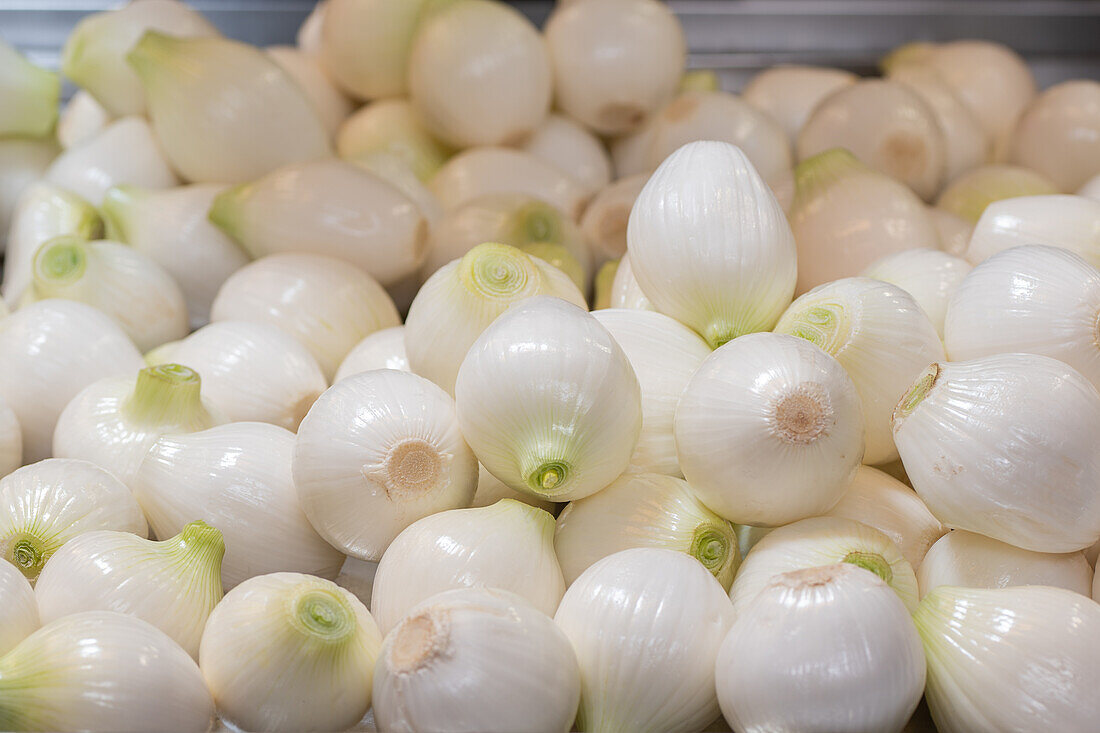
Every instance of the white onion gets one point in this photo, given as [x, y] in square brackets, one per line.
[330, 104]
[22, 162]
[18, 608]
[968, 195]
[1070, 222]
[605, 218]
[30, 95]
[1058, 134]
[392, 126]
[932, 277]
[789, 93]
[82, 118]
[365, 46]
[383, 349]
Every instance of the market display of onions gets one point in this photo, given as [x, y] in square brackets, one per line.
[445, 373]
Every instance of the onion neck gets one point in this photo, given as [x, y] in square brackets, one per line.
[321, 615]
[715, 546]
[824, 324]
[167, 394]
[536, 222]
[549, 477]
[225, 210]
[916, 394]
[28, 553]
[59, 264]
[117, 208]
[498, 272]
[871, 561]
[199, 545]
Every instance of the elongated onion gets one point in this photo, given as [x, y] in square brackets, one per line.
[476, 659]
[237, 478]
[320, 301]
[30, 95]
[879, 500]
[46, 504]
[51, 350]
[173, 584]
[290, 652]
[18, 608]
[462, 298]
[1012, 658]
[776, 668]
[789, 93]
[1070, 222]
[879, 335]
[644, 510]
[383, 349]
[327, 207]
[223, 111]
[508, 545]
[710, 245]
[1058, 134]
[377, 452]
[615, 62]
[478, 73]
[102, 671]
[171, 227]
[611, 614]
[119, 281]
[998, 445]
[252, 371]
[930, 276]
[558, 416]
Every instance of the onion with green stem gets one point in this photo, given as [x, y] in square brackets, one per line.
[383, 349]
[819, 541]
[508, 545]
[1000, 445]
[968, 195]
[18, 609]
[81, 119]
[1011, 659]
[46, 504]
[102, 671]
[1070, 222]
[223, 111]
[22, 162]
[290, 652]
[565, 144]
[114, 422]
[173, 584]
[548, 400]
[706, 199]
[789, 93]
[480, 171]
[118, 280]
[785, 414]
[478, 73]
[377, 452]
[1032, 299]
[171, 227]
[49, 352]
[235, 477]
[969, 560]
[644, 510]
[320, 301]
[476, 659]
[252, 371]
[777, 670]
[44, 211]
[326, 207]
[887, 126]
[931, 276]
[614, 611]
[465, 296]
[615, 62]
[1058, 134]
[879, 500]
[392, 126]
[125, 151]
[30, 95]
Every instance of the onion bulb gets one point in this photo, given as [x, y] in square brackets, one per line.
[478, 73]
[290, 652]
[1011, 658]
[879, 335]
[46, 504]
[116, 279]
[999, 445]
[625, 290]
[932, 277]
[392, 126]
[235, 477]
[383, 349]
[19, 610]
[30, 96]
[605, 218]
[781, 411]
[330, 104]
[968, 195]
[82, 118]
[327, 207]
[102, 671]
[644, 510]
[778, 669]
[789, 93]
[223, 111]
[710, 245]
[377, 452]
[612, 613]
[548, 400]
[462, 298]
[173, 584]
[1032, 299]
[1070, 222]
[616, 61]
[476, 659]
[972, 561]
[1058, 134]
[569, 147]
[887, 126]
[508, 545]
[322, 302]
[49, 352]
[819, 541]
